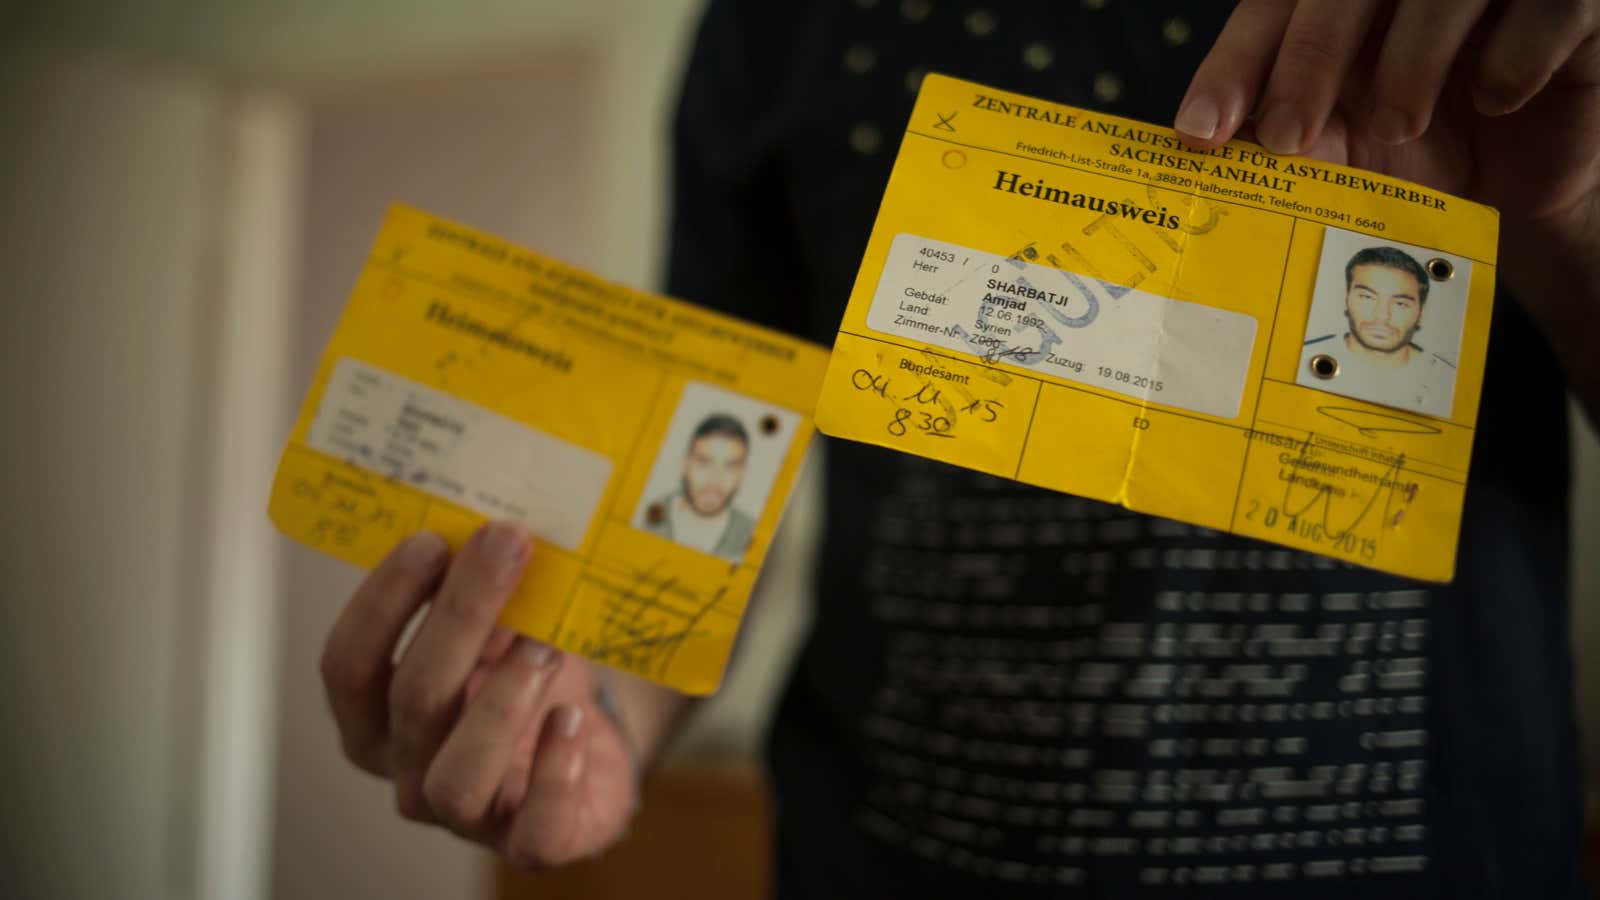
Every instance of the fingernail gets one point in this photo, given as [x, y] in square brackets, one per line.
[538, 654]
[566, 720]
[504, 543]
[1280, 130]
[423, 551]
[1390, 125]
[575, 767]
[1493, 100]
[1199, 117]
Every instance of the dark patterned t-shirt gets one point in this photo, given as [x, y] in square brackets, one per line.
[1010, 692]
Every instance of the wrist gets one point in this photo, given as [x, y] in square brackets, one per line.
[1552, 265]
[1564, 237]
[609, 703]
[644, 713]
[1553, 257]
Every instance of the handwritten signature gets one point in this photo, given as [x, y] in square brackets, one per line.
[646, 619]
[1316, 518]
[1370, 424]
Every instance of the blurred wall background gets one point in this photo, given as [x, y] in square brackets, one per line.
[191, 187]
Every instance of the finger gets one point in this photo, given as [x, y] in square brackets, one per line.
[1225, 87]
[425, 693]
[1418, 53]
[499, 642]
[464, 777]
[1321, 42]
[1530, 42]
[514, 786]
[357, 658]
[1332, 145]
[567, 681]
[545, 831]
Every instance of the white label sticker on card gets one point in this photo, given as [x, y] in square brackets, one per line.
[452, 449]
[1072, 326]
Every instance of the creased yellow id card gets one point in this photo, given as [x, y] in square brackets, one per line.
[648, 445]
[1271, 346]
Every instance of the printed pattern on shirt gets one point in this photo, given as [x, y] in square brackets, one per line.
[1056, 705]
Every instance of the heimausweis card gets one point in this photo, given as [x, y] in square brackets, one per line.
[648, 445]
[1272, 346]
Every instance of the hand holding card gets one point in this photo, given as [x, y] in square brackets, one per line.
[647, 445]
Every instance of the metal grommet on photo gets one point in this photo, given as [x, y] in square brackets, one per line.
[769, 424]
[1324, 366]
[1441, 269]
[655, 514]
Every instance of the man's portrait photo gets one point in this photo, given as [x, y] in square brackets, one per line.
[714, 471]
[1385, 323]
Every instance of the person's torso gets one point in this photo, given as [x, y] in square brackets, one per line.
[1008, 690]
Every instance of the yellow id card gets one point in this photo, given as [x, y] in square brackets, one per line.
[1271, 346]
[648, 445]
